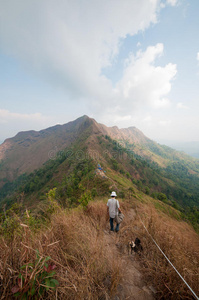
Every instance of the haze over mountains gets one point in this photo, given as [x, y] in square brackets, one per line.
[191, 148]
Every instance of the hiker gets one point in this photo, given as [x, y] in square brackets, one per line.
[112, 209]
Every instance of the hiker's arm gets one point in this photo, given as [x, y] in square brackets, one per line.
[119, 210]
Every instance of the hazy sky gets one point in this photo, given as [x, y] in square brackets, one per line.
[122, 62]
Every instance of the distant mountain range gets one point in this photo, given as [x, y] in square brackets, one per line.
[34, 161]
[191, 148]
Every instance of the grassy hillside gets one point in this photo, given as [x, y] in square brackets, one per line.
[29, 150]
[73, 172]
[54, 238]
[54, 229]
[54, 252]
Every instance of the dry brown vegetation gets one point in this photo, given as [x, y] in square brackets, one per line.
[75, 242]
[178, 241]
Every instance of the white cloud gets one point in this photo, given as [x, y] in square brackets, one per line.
[178, 128]
[169, 2]
[122, 119]
[197, 56]
[164, 122]
[172, 2]
[147, 119]
[143, 83]
[70, 42]
[7, 116]
[180, 105]
[11, 123]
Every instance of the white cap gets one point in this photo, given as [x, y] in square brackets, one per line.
[113, 194]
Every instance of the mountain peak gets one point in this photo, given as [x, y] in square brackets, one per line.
[29, 150]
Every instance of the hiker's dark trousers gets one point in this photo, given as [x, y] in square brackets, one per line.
[112, 226]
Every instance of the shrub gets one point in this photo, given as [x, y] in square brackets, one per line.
[85, 199]
[35, 278]
[162, 197]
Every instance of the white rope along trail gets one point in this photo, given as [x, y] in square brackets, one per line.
[169, 260]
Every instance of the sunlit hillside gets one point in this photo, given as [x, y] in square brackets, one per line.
[54, 229]
[69, 254]
[67, 157]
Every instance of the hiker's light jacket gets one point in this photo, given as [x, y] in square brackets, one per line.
[113, 206]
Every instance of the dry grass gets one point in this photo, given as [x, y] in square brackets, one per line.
[74, 241]
[181, 245]
[86, 270]
[178, 241]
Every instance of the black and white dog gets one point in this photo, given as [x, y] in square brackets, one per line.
[135, 246]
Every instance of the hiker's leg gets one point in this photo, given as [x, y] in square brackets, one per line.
[111, 224]
[117, 227]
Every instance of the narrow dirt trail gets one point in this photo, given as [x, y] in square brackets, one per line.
[132, 286]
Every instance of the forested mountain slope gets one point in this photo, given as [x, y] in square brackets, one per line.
[28, 151]
[67, 156]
